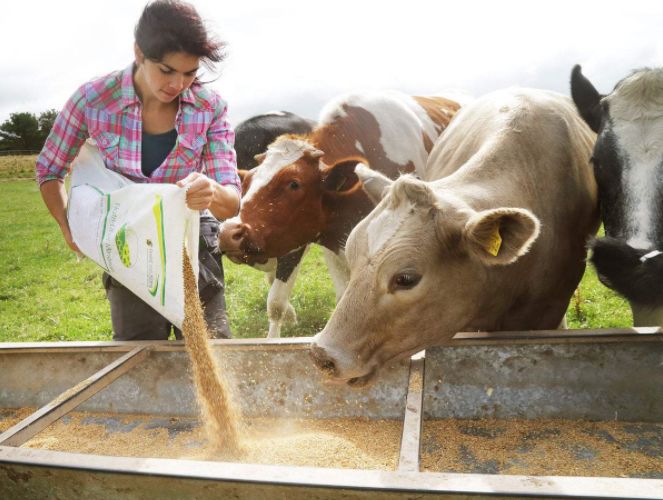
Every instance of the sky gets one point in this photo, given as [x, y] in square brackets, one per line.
[296, 55]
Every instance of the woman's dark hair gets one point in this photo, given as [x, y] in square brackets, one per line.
[173, 26]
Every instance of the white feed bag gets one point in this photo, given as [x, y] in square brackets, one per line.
[136, 232]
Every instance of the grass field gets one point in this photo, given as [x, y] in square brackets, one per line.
[46, 295]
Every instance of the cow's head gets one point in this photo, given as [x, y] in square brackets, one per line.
[420, 271]
[286, 201]
[628, 165]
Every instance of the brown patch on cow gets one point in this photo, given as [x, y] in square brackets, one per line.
[339, 141]
[440, 110]
[428, 144]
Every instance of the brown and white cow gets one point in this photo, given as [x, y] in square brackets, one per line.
[305, 190]
[491, 238]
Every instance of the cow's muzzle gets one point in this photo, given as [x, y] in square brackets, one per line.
[323, 361]
[236, 242]
[329, 367]
[632, 272]
[231, 236]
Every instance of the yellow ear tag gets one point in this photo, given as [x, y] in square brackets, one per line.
[493, 247]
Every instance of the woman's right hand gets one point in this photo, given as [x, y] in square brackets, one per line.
[55, 199]
[69, 239]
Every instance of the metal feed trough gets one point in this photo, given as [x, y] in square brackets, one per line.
[478, 386]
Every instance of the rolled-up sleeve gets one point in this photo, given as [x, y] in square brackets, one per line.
[219, 155]
[64, 141]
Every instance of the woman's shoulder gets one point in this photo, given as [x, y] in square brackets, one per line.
[104, 92]
[206, 98]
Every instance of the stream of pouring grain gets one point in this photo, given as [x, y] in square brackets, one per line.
[220, 417]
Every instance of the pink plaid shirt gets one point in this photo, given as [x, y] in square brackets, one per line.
[109, 111]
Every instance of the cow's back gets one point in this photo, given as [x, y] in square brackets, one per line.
[391, 131]
[529, 145]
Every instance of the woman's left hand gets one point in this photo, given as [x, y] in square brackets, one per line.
[201, 190]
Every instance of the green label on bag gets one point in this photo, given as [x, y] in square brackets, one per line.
[157, 210]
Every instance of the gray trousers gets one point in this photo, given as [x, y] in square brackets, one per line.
[133, 319]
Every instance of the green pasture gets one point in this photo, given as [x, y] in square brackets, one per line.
[47, 295]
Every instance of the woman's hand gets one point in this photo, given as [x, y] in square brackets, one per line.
[68, 238]
[200, 194]
[55, 199]
[222, 201]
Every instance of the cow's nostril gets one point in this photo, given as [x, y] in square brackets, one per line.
[327, 365]
[323, 361]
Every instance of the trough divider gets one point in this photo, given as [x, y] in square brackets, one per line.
[412, 421]
[71, 398]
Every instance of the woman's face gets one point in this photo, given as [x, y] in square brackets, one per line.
[168, 78]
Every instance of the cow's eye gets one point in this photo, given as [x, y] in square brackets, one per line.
[293, 185]
[405, 280]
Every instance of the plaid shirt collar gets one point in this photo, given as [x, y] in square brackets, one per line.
[194, 95]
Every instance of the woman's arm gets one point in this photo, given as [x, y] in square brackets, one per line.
[220, 162]
[65, 139]
[61, 147]
[225, 203]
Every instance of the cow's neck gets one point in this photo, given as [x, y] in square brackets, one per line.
[341, 216]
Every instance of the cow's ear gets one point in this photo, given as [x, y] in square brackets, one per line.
[245, 176]
[242, 174]
[374, 183]
[500, 236]
[586, 98]
[340, 177]
[259, 158]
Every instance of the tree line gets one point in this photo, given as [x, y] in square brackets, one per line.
[26, 131]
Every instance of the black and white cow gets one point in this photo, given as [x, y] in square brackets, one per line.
[252, 136]
[628, 164]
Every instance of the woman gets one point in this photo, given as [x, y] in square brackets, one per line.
[154, 122]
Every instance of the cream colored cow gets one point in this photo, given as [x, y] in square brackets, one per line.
[491, 238]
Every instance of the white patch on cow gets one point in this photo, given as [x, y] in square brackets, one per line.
[636, 109]
[280, 154]
[384, 226]
[279, 309]
[333, 110]
[400, 118]
[359, 148]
